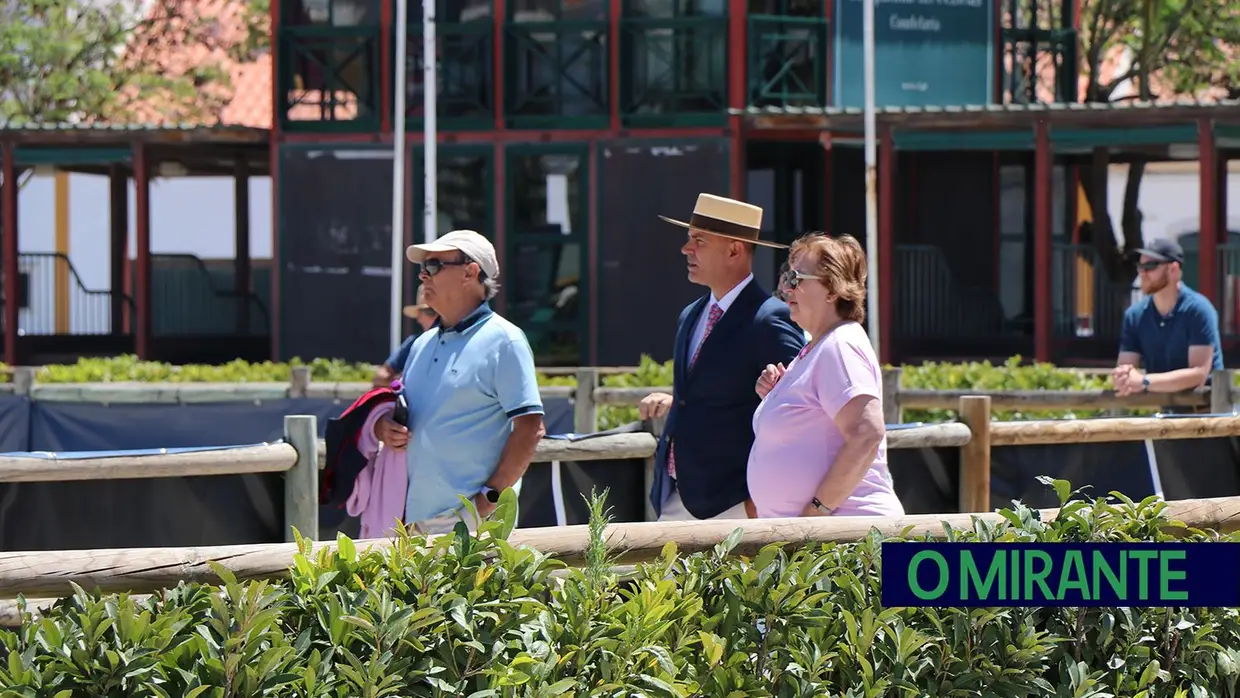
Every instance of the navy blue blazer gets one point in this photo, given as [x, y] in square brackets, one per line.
[711, 419]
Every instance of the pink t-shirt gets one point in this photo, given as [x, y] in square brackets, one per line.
[795, 436]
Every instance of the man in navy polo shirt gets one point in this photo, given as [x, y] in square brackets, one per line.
[1172, 332]
[475, 413]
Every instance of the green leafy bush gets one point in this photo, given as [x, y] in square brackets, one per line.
[129, 368]
[1011, 375]
[476, 616]
[981, 375]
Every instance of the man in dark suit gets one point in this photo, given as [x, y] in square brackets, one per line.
[724, 340]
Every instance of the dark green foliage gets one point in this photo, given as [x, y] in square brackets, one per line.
[474, 616]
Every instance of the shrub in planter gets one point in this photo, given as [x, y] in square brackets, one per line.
[475, 616]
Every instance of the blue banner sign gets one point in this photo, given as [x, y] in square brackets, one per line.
[926, 53]
[1061, 574]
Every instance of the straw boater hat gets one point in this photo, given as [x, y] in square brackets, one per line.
[411, 311]
[728, 218]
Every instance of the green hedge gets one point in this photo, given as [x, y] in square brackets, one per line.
[478, 617]
[1010, 375]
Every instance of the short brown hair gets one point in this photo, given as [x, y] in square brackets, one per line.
[842, 266]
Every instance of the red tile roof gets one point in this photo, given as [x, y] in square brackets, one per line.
[244, 99]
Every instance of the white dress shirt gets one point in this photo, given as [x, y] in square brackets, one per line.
[699, 332]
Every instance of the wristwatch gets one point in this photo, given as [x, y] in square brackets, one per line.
[1145, 384]
[822, 507]
[491, 494]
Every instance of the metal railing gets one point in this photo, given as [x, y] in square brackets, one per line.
[84, 312]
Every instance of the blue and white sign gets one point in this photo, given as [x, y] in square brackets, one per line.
[926, 52]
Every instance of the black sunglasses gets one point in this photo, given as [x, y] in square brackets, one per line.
[1150, 266]
[434, 266]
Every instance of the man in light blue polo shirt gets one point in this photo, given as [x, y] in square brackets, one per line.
[475, 413]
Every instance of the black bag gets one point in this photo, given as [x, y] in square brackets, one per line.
[344, 462]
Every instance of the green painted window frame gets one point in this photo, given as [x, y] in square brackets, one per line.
[513, 36]
[287, 41]
[765, 28]
[485, 31]
[715, 28]
[286, 37]
[580, 235]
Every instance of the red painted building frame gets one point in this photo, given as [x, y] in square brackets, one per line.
[739, 129]
[501, 135]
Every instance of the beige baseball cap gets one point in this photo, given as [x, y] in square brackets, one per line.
[471, 243]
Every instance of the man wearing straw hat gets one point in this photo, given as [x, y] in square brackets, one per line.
[392, 367]
[724, 340]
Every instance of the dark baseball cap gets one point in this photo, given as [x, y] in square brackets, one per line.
[1163, 250]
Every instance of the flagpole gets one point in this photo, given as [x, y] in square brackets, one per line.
[430, 114]
[871, 178]
[398, 173]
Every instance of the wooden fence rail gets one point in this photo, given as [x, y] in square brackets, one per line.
[146, 570]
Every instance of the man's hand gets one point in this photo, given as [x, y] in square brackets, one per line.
[484, 507]
[654, 406]
[770, 376]
[1127, 380]
[391, 434]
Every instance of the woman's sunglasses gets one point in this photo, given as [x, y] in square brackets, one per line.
[792, 278]
[434, 266]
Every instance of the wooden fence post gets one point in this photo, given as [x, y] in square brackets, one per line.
[975, 455]
[1222, 387]
[301, 483]
[299, 381]
[655, 427]
[892, 412]
[585, 412]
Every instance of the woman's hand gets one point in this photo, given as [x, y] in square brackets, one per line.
[770, 376]
[391, 434]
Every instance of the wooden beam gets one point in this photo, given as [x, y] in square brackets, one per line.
[149, 569]
[1078, 431]
[948, 434]
[1051, 399]
[636, 445]
[269, 458]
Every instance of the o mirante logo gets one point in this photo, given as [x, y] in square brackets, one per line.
[1061, 574]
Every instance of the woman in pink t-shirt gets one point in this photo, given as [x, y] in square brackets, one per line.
[820, 446]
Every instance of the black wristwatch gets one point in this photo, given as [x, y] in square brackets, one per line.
[1145, 384]
[822, 507]
[491, 494]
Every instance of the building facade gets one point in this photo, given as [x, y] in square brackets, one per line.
[566, 126]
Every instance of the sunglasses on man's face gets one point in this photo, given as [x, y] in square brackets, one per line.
[434, 266]
[1150, 266]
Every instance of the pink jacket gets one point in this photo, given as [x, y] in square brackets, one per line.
[379, 493]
